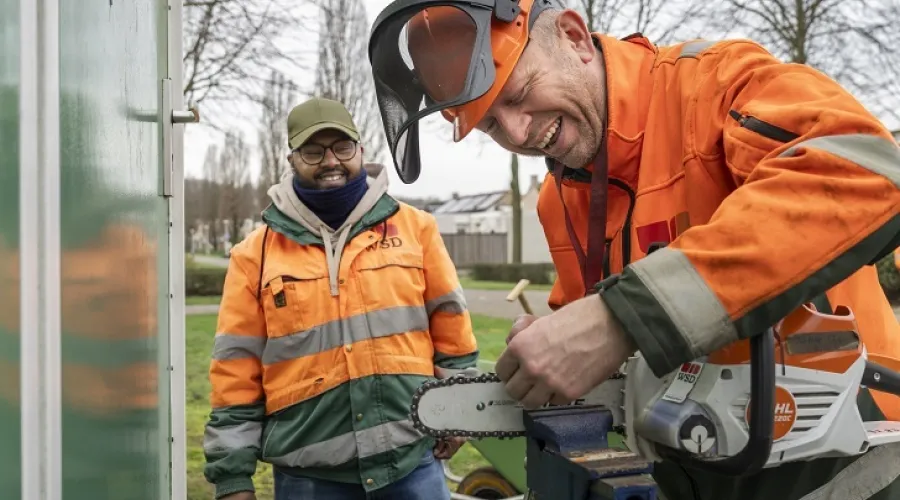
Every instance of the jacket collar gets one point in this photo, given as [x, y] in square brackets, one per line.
[628, 65]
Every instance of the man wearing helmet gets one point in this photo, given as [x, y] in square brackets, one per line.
[696, 194]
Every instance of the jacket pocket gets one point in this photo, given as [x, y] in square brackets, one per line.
[291, 303]
[763, 128]
[394, 279]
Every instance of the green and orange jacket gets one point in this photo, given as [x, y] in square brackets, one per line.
[764, 185]
[322, 338]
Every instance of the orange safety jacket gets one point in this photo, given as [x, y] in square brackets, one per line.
[315, 365]
[757, 186]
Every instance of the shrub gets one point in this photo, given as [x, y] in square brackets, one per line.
[539, 274]
[203, 281]
[889, 277]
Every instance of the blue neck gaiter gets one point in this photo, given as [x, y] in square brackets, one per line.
[333, 205]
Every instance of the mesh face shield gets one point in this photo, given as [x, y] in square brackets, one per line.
[442, 55]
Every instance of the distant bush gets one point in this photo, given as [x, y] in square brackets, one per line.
[889, 277]
[538, 274]
[203, 281]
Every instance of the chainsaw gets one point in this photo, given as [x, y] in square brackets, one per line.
[786, 395]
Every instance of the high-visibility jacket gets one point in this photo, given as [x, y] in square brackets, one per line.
[764, 185]
[319, 381]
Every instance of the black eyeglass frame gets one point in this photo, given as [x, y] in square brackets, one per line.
[330, 147]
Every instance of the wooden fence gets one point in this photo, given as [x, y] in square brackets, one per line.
[476, 248]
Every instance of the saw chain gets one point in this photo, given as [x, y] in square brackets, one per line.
[462, 379]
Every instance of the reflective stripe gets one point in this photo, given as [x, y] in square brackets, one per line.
[341, 449]
[876, 154]
[230, 346]
[693, 49]
[690, 304]
[453, 302]
[327, 336]
[865, 477]
[232, 437]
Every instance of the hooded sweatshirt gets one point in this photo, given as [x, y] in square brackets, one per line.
[285, 198]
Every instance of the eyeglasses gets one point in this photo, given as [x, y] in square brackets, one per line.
[313, 154]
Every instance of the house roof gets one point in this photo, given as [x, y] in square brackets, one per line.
[472, 203]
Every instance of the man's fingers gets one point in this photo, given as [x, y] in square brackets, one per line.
[506, 365]
[519, 385]
[522, 322]
[538, 396]
[557, 399]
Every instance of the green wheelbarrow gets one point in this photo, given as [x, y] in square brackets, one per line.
[505, 477]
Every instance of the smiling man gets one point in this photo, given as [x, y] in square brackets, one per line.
[697, 194]
[332, 314]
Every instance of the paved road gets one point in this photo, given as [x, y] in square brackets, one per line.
[487, 302]
[211, 260]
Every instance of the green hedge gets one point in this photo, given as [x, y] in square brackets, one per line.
[539, 274]
[203, 281]
[889, 278]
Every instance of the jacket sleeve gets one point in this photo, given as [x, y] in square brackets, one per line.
[231, 443]
[816, 199]
[455, 347]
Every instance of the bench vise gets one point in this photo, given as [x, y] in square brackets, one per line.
[568, 458]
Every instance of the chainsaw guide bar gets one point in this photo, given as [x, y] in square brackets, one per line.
[479, 407]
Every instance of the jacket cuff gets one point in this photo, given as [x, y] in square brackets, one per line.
[233, 485]
[668, 310]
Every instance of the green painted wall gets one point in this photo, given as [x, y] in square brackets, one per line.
[10, 411]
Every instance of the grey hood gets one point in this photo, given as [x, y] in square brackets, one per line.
[285, 199]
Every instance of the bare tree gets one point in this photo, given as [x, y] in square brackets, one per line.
[231, 46]
[278, 101]
[234, 171]
[662, 21]
[343, 72]
[211, 198]
[853, 41]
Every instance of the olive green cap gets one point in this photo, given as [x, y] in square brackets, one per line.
[315, 115]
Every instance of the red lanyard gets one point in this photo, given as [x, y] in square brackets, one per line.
[591, 265]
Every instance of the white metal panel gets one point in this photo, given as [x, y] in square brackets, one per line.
[177, 391]
[39, 214]
[51, 289]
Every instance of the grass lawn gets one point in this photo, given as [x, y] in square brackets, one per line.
[491, 333]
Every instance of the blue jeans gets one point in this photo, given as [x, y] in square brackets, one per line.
[425, 482]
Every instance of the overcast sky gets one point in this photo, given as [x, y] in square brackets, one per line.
[473, 166]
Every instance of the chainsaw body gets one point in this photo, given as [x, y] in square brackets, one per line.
[704, 409]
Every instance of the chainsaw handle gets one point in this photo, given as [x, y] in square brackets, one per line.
[753, 457]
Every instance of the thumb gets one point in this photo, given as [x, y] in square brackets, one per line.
[522, 322]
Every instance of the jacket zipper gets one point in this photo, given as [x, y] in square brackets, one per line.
[763, 128]
[626, 228]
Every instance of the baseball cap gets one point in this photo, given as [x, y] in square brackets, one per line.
[315, 115]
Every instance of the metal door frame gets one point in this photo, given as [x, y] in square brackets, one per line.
[175, 162]
[39, 250]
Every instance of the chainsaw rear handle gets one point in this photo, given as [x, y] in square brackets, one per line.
[753, 457]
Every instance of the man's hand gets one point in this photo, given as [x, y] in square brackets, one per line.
[445, 448]
[521, 323]
[561, 357]
[240, 495]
